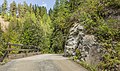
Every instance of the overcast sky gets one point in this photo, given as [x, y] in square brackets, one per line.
[47, 3]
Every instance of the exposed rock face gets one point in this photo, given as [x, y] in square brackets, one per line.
[4, 25]
[86, 44]
[73, 39]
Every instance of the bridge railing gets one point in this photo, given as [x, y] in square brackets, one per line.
[29, 49]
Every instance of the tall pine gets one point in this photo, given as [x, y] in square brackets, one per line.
[13, 8]
[4, 7]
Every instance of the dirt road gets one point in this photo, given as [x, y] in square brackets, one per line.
[45, 62]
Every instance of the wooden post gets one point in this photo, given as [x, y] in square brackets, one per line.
[9, 47]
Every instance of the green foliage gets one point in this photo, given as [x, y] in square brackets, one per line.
[78, 53]
[85, 65]
[2, 42]
[31, 34]
[30, 25]
[59, 17]
[13, 8]
[4, 8]
[50, 13]
[89, 67]
[57, 42]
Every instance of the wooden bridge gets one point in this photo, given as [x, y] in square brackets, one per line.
[22, 51]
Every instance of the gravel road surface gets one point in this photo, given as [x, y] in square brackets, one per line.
[44, 62]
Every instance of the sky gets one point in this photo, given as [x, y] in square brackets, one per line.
[47, 3]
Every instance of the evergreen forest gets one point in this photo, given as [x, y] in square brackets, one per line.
[35, 25]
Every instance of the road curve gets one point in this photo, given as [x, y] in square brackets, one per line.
[44, 62]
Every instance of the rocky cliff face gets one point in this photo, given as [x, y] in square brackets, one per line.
[84, 43]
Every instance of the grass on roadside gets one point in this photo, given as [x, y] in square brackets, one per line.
[85, 65]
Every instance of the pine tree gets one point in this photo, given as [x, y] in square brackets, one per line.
[50, 13]
[43, 11]
[19, 10]
[38, 13]
[30, 8]
[4, 7]
[31, 33]
[25, 7]
[60, 15]
[74, 4]
[56, 4]
[13, 8]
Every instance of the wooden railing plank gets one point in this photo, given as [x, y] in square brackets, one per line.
[30, 48]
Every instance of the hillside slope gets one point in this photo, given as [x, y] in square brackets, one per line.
[4, 24]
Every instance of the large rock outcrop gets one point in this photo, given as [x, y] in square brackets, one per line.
[86, 44]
